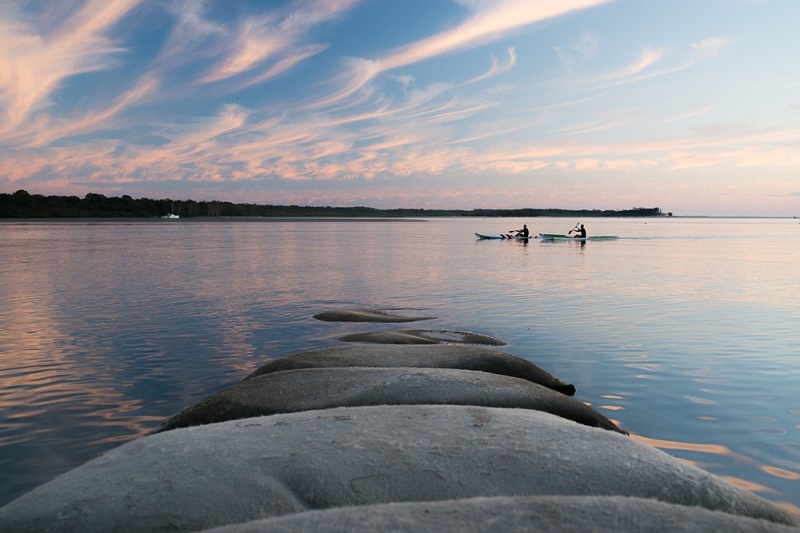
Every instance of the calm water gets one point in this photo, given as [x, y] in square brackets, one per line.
[685, 331]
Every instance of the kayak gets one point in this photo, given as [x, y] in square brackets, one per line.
[556, 237]
[503, 236]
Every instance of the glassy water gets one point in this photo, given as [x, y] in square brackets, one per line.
[683, 330]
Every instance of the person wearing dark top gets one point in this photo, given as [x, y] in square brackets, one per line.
[522, 232]
[579, 233]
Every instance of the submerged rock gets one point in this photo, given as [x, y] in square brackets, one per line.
[366, 315]
[423, 336]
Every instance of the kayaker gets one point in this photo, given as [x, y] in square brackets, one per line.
[579, 233]
[522, 232]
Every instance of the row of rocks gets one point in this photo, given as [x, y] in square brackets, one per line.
[366, 437]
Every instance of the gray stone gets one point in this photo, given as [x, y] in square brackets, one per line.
[366, 315]
[423, 336]
[238, 471]
[322, 388]
[440, 356]
[543, 514]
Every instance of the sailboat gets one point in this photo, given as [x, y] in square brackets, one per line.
[171, 214]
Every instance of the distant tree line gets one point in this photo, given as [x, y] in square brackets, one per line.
[21, 204]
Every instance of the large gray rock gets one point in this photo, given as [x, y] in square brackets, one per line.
[543, 514]
[322, 388]
[440, 356]
[244, 470]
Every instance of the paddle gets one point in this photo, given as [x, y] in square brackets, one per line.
[574, 229]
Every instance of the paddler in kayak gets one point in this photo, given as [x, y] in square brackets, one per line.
[522, 232]
[580, 233]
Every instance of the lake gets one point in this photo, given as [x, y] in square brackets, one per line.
[684, 330]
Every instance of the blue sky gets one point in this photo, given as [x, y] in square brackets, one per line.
[692, 106]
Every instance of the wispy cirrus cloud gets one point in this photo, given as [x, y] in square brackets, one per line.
[652, 63]
[256, 43]
[582, 48]
[255, 47]
[488, 22]
[498, 66]
[34, 65]
[49, 130]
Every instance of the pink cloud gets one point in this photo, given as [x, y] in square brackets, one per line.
[489, 21]
[34, 65]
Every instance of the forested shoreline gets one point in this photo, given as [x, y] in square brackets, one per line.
[21, 204]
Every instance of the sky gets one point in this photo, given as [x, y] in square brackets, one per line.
[692, 106]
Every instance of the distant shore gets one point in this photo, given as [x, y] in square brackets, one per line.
[22, 205]
[182, 220]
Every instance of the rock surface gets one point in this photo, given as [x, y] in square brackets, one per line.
[543, 514]
[243, 470]
[441, 356]
[423, 336]
[322, 388]
[366, 315]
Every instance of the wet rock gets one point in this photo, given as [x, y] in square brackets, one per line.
[366, 315]
[543, 514]
[437, 356]
[325, 388]
[423, 336]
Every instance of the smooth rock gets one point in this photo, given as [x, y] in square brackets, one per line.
[543, 514]
[440, 356]
[423, 336]
[366, 315]
[323, 388]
